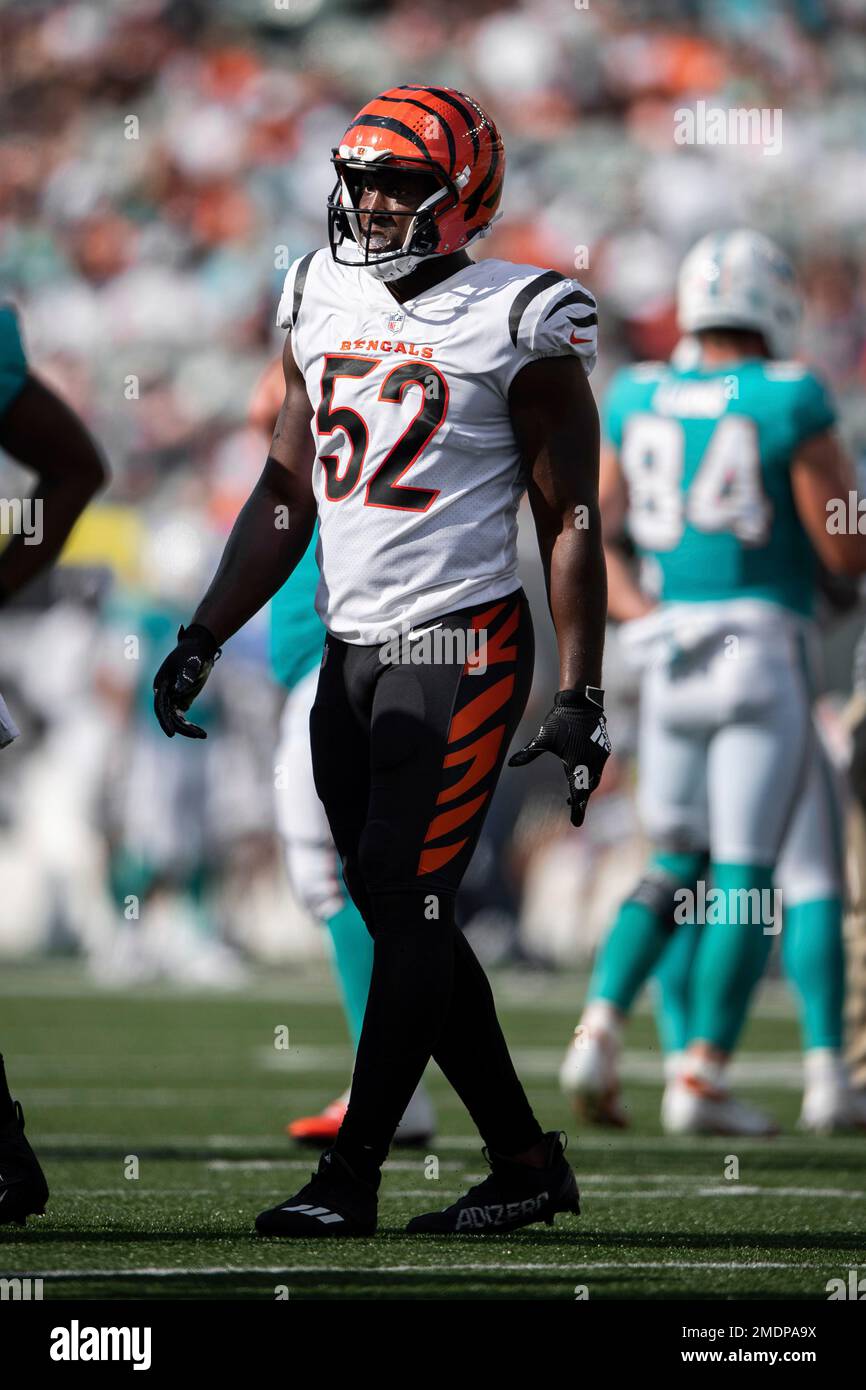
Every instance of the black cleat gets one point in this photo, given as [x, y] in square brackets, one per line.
[23, 1189]
[334, 1203]
[514, 1195]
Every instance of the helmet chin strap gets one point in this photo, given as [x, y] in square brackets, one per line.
[403, 265]
[396, 269]
[392, 269]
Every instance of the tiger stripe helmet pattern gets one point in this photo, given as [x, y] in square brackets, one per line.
[435, 129]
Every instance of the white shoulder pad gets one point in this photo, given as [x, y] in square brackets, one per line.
[293, 291]
[555, 316]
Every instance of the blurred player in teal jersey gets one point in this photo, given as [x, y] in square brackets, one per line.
[720, 474]
[809, 876]
[297, 638]
[42, 434]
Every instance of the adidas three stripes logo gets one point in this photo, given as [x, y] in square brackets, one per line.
[323, 1214]
[601, 737]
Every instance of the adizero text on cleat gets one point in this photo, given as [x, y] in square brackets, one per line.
[335, 1202]
[23, 1189]
[514, 1195]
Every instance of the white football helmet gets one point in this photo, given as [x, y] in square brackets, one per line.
[740, 279]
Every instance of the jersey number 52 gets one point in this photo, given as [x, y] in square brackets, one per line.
[382, 488]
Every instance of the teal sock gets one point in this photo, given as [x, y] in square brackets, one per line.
[352, 947]
[642, 930]
[814, 962]
[672, 980]
[733, 952]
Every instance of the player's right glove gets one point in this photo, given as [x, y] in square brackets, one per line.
[576, 731]
[181, 678]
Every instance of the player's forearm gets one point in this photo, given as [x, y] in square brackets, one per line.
[625, 598]
[268, 539]
[47, 520]
[843, 555]
[577, 594]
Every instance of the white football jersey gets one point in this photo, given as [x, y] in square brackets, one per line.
[417, 473]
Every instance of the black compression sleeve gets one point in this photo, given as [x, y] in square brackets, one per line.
[268, 539]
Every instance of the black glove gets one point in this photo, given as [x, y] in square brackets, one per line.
[181, 678]
[576, 731]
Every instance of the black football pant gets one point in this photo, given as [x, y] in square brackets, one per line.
[406, 755]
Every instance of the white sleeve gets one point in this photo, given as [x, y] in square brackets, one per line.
[552, 316]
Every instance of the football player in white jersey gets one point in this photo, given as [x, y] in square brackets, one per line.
[296, 639]
[424, 393]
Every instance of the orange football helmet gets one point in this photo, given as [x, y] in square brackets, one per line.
[427, 129]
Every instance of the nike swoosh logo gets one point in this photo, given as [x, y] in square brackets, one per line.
[419, 631]
[572, 339]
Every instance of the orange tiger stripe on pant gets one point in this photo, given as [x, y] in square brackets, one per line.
[483, 752]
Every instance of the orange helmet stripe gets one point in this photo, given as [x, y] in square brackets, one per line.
[437, 115]
[450, 98]
[371, 120]
[449, 131]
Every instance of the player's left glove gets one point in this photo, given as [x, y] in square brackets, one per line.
[181, 678]
[576, 731]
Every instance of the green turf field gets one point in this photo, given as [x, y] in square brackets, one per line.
[194, 1089]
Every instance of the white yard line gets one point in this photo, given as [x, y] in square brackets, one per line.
[134, 1189]
[638, 1066]
[582, 1141]
[563, 993]
[264, 1165]
[433, 1195]
[450, 1269]
[155, 1098]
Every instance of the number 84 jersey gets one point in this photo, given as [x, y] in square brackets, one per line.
[707, 456]
[417, 474]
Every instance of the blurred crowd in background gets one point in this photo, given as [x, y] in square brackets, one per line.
[161, 164]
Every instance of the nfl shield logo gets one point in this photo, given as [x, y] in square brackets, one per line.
[396, 321]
